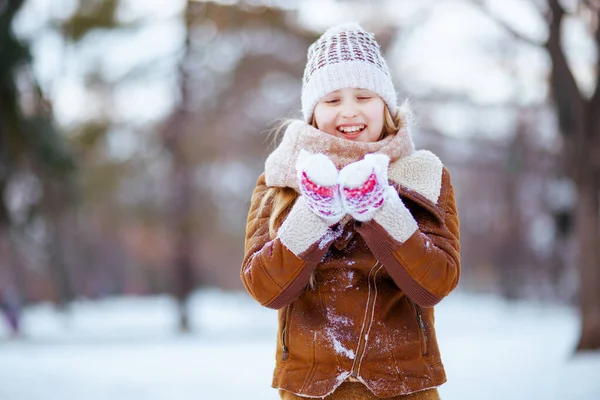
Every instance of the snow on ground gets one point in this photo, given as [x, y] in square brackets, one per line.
[125, 348]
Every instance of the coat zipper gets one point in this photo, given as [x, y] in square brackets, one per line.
[421, 327]
[369, 318]
[284, 336]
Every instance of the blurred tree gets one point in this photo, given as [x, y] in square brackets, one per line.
[56, 219]
[222, 74]
[579, 122]
[31, 150]
[100, 264]
[512, 250]
[90, 16]
[181, 184]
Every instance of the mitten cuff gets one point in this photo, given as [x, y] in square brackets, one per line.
[302, 228]
[395, 218]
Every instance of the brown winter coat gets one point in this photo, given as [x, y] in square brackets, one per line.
[370, 316]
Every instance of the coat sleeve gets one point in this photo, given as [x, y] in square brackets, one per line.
[420, 250]
[276, 271]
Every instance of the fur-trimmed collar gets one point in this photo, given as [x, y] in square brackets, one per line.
[420, 171]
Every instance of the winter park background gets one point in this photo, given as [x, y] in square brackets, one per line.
[131, 136]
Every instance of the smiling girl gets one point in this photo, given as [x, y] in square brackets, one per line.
[352, 235]
[350, 113]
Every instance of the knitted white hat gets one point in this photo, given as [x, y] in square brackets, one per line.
[345, 56]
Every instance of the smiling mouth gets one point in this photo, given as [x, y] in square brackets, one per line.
[352, 130]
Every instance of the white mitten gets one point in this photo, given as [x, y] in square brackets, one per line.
[317, 180]
[363, 186]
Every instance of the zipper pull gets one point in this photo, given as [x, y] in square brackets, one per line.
[418, 313]
[421, 324]
[285, 354]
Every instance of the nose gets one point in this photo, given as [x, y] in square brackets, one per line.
[349, 109]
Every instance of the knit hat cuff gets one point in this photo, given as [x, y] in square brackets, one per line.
[349, 74]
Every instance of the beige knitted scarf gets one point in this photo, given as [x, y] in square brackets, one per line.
[280, 166]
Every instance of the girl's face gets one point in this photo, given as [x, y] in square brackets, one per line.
[353, 114]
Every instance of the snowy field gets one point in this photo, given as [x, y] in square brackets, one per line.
[125, 349]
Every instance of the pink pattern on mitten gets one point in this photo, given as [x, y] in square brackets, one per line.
[317, 181]
[363, 186]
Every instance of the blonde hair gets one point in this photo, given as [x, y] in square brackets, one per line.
[283, 198]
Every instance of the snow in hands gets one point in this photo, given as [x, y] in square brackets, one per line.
[358, 189]
[317, 180]
[363, 186]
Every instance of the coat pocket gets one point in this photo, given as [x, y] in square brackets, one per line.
[421, 325]
[285, 334]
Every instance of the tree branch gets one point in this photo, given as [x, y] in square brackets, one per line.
[570, 103]
[541, 9]
[593, 107]
[593, 5]
[595, 99]
[480, 4]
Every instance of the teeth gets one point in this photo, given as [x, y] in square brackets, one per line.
[349, 129]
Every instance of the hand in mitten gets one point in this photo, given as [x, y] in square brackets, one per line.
[363, 186]
[317, 180]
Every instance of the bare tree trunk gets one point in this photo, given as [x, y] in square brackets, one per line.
[182, 189]
[12, 282]
[588, 236]
[183, 268]
[509, 253]
[580, 127]
[59, 227]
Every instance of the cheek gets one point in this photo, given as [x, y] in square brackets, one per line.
[376, 115]
[322, 118]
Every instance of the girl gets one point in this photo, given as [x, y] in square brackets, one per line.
[352, 235]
